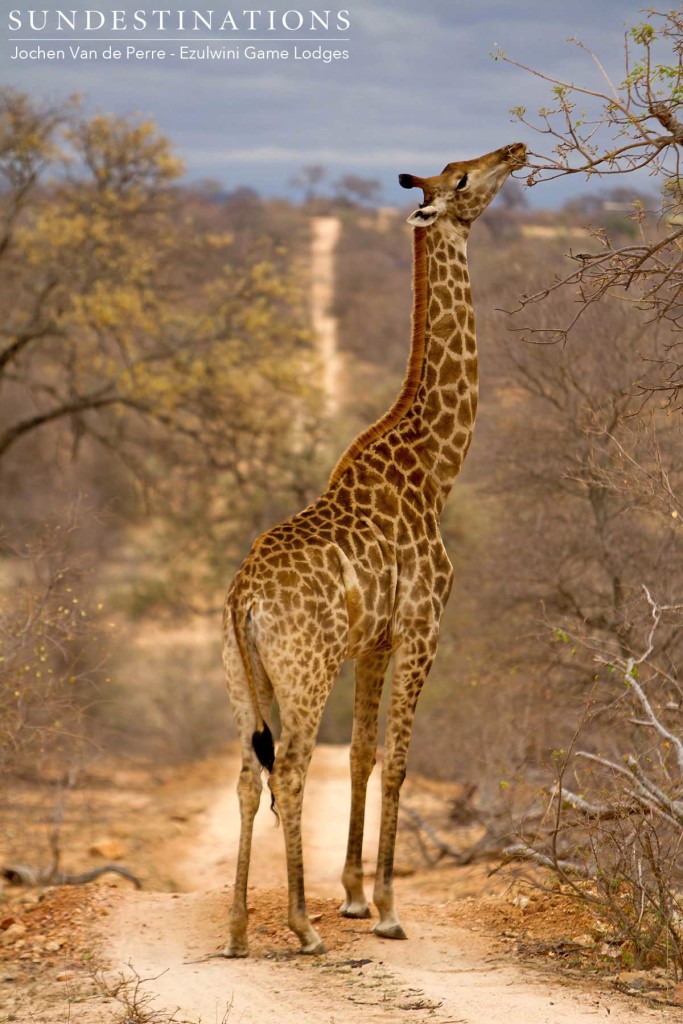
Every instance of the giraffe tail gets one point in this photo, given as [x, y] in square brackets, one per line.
[262, 738]
[264, 748]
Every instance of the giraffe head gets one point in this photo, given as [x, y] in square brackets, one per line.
[463, 190]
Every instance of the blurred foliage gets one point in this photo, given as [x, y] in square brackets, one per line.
[53, 663]
[618, 127]
[166, 328]
[155, 356]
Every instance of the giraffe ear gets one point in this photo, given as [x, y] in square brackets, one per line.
[424, 216]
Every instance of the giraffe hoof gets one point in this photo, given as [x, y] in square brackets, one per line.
[314, 949]
[234, 952]
[356, 910]
[389, 931]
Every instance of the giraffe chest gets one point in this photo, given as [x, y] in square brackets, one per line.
[407, 589]
[368, 570]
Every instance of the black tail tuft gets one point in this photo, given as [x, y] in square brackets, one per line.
[264, 748]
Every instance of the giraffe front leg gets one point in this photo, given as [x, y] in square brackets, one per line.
[413, 660]
[249, 791]
[370, 671]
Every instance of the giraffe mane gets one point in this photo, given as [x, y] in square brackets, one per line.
[413, 375]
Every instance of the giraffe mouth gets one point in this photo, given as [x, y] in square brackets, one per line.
[516, 155]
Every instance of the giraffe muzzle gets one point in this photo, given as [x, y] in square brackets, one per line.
[516, 155]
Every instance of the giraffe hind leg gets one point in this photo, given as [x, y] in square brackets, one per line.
[249, 792]
[299, 731]
[287, 784]
[302, 659]
[249, 785]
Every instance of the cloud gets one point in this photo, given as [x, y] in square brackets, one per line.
[336, 157]
[418, 90]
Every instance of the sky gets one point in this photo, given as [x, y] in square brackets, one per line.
[419, 87]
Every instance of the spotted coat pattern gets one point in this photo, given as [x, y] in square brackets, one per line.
[363, 573]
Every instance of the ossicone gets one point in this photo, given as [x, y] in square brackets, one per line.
[410, 181]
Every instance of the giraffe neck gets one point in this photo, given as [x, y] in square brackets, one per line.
[439, 423]
[434, 412]
[413, 376]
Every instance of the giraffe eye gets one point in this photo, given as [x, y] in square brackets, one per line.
[461, 184]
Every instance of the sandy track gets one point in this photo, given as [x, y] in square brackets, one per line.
[212, 860]
[325, 232]
[443, 973]
[439, 975]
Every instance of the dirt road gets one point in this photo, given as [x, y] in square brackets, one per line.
[325, 232]
[443, 973]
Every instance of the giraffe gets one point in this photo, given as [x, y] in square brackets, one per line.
[362, 573]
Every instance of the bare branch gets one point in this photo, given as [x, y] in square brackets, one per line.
[521, 852]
